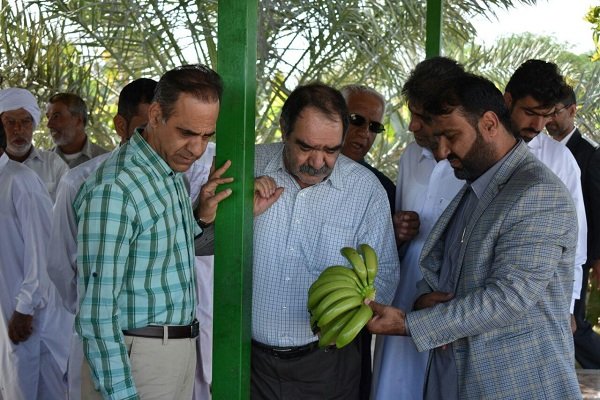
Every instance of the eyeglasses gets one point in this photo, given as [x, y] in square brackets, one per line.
[359, 120]
[558, 110]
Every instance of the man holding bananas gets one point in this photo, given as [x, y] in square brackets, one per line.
[504, 247]
[328, 202]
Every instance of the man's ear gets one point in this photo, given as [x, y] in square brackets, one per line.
[154, 114]
[507, 99]
[572, 110]
[121, 127]
[488, 124]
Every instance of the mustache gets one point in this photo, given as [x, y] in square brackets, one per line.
[307, 169]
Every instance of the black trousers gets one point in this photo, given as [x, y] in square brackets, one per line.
[587, 342]
[323, 374]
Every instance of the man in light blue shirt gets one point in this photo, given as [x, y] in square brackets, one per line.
[328, 202]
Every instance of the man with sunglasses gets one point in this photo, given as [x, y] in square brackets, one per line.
[531, 96]
[562, 128]
[366, 107]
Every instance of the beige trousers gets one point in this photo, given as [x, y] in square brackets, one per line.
[161, 370]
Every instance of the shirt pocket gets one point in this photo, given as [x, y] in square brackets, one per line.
[326, 248]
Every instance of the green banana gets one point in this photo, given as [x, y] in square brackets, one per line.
[354, 325]
[357, 263]
[371, 263]
[339, 308]
[333, 297]
[320, 292]
[340, 270]
[331, 330]
[332, 277]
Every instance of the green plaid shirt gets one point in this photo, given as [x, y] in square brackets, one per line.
[135, 258]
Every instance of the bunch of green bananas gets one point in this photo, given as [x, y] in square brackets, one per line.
[336, 298]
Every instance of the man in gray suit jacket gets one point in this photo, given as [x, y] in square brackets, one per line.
[497, 266]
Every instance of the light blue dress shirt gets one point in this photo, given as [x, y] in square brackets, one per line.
[302, 234]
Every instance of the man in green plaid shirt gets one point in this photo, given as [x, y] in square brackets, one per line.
[136, 232]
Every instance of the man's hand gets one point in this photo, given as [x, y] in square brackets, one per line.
[209, 199]
[406, 226]
[387, 320]
[431, 299]
[595, 273]
[266, 193]
[20, 327]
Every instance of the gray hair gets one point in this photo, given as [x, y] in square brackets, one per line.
[357, 89]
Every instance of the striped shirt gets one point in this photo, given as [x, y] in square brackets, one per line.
[135, 258]
[302, 233]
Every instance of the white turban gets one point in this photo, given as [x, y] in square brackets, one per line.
[15, 98]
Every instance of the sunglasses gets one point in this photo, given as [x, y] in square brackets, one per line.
[359, 120]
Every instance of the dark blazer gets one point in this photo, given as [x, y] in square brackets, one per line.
[587, 156]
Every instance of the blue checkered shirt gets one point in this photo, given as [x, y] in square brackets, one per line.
[302, 234]
[135, 258]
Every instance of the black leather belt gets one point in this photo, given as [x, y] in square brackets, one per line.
[288, 352]
[173, 331]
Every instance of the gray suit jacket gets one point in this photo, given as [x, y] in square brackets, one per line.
[509, 320]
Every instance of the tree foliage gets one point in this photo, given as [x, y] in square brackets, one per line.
[93, 48]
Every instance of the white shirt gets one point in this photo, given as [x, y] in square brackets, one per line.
[302, 233]
[426, 187]
[560, 161]
[62, 260]
[25, 215]
[49, 167]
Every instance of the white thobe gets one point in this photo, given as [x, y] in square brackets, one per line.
[198, 175]
[426, 187]
[48, 166]
[560, 161]
[33, 369]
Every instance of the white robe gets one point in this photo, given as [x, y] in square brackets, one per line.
[427, 187]
[33, 369]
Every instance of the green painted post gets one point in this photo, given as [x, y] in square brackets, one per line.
[433, 35]
[233, 252]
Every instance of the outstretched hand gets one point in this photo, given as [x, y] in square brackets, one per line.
[209, 198]
[266, 193]
[387, 320]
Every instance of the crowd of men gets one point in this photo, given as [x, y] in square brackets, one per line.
[485, 243]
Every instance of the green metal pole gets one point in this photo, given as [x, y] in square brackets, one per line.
[233, 252]
[433, 35]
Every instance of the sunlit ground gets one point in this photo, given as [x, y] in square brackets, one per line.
[589, 382]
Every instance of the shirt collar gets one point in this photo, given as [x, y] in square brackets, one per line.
[566, 138]
[142, 149]
[3, 160]
[34, 154]
[480, 184]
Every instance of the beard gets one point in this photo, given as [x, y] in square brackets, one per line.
[478, 159]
